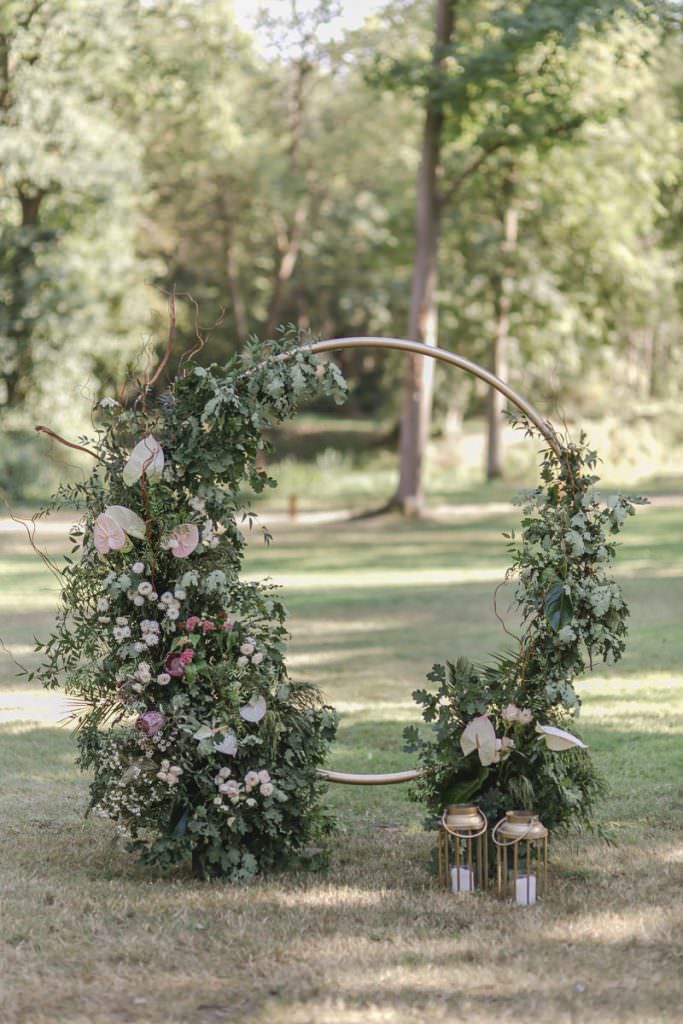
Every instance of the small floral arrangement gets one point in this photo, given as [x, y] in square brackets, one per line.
[501, 731]
[198, 741]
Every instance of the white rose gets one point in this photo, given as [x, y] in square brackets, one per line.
[102, 604]
[138, 600]
[257, 659]
[242, 661]
[180, 594]
[145, 588]
[247, 648]
[263, 776]
[163, 679]
[122, 621]
[266, 789]
[138, 568]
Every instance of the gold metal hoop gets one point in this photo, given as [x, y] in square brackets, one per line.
[441, 354]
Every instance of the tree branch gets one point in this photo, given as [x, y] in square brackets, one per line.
[169, 344]
[69, 444]
[559, 129]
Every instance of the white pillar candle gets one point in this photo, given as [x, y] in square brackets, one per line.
[462, 880]
[525, 890]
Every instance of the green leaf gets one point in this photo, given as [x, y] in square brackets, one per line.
[559, 609]
[464, 790]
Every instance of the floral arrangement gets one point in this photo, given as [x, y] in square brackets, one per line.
[198, 741]
[500, 731]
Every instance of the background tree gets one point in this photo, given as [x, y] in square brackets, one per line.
[499, 80]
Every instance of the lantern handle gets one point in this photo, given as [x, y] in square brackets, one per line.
[513, 842]
[468, 835]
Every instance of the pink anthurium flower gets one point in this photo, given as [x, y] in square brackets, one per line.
[108, 535]
[147, 457]
[182, 540]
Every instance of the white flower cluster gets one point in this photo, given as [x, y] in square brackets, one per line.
[170, 604]
[248, 653]
[169, 773]
[236, 792]
[209, 534]
[143, 675]
[121, 629]
[150, 632]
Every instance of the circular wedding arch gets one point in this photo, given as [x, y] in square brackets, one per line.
[441, 354]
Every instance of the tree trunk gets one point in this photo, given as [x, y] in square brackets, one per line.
[238, 306]
[289, 235]
[496, 402]
[289, 253]
[422, 324]
[17, 379]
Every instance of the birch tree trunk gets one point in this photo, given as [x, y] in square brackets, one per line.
[422, 324]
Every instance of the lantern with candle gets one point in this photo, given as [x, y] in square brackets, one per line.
[462, 848]
[521, 841]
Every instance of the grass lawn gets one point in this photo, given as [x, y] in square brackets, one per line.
[88, 936]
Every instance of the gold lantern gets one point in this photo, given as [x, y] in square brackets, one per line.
[462, 848]
[521, 841]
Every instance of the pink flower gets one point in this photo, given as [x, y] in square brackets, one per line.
[174, 664]
[150, 722]
[108, 535]
[227, 626]
[192, 623]
[183, 540]
[208, 626]
[186, 655]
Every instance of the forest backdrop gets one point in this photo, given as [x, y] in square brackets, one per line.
[518, 163]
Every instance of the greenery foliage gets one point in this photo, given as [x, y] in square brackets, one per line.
[572, 613]
[198, 739]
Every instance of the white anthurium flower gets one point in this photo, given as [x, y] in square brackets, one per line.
[129, 521]
[558, 739]
[480, 735]
[254, 710]
[147, 457]
[228, 745]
